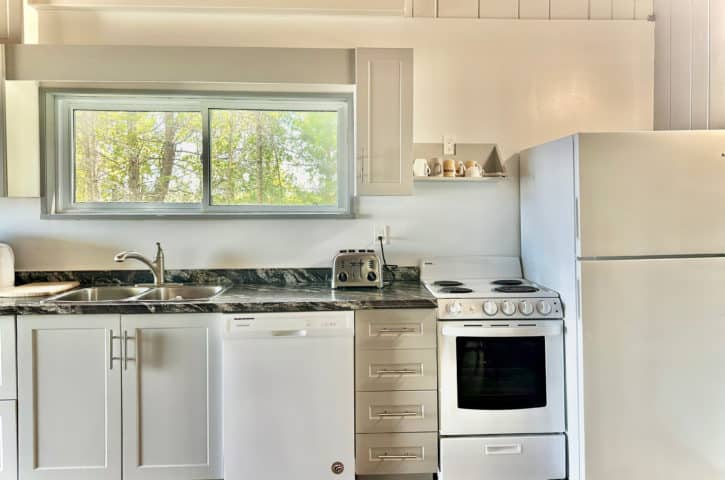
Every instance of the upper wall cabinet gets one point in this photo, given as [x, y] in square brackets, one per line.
[384, 121]
[3, 136]
[11, 21]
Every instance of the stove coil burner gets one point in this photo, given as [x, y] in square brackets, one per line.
[508, 282]
[516, 289]
[456, 290]
[448, 283]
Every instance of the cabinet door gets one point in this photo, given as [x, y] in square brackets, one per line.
[8, 441]
[384, 121]
[69, 397]
[11, 21]
[7, 359]
[172, 397]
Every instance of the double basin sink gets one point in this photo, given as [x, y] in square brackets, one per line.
[167, 293]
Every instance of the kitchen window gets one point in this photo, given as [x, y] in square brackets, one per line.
[116, 154]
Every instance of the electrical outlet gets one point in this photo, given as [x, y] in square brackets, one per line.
[449, 145]
[382, 231]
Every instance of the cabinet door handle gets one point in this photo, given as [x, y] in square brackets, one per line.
[399, 414]
[396, 330]
[126, 358]
[111, 338]
[398, 372]
[397, 457]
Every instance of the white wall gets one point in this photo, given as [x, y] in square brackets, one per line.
[690, 64]
[511, 82]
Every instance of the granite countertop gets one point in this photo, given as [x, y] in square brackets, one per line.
[246, 298]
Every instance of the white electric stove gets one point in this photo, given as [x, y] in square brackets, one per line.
[500, 369]
[486, 287]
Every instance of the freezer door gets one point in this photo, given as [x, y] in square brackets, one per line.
[651, 193]
[654, 369]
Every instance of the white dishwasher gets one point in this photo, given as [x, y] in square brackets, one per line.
[289, 407]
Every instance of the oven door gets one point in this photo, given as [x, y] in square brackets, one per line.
[501, 378]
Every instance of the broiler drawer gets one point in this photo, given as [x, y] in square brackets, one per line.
[383, 329]
[385, 370]
[530, 457]
[381, 412]
[396, 453]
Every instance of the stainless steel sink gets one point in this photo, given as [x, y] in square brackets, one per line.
[99, 294]
[181, 293]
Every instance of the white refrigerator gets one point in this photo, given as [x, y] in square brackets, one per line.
[630, 229]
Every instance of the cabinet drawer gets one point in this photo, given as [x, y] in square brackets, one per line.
[383, 370]
[396, 453]
[382, 329]
[380, 412]
[539, 457]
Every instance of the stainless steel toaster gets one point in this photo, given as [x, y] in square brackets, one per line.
[357, 268]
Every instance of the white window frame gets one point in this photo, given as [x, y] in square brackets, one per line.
[58, 153]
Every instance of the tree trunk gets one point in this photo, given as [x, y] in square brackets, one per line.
[231, 194]
[260, 160]
[93, 181]
[168, 157]
[134, 162]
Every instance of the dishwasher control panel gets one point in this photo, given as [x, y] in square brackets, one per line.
[293, 324]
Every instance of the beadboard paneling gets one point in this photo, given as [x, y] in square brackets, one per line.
[600, 9]
[699, 111]
[643, 9]
[424, 8]
[689, 64]
[533, 8]
[498, 8]
[458, 8]
[716, 99]
[681, 65]
[574, 9]
[623, 9]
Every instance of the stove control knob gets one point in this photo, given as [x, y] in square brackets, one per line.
[342, 276]
[526, 308]
[508, 308]
[490, 308]
[454, 308]
[543, 307]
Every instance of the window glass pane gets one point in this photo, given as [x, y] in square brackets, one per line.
[283, 158]
[501, 373]
[122, 156]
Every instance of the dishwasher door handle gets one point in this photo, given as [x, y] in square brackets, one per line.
[288, 333]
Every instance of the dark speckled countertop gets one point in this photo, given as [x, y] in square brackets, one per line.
[246, 298]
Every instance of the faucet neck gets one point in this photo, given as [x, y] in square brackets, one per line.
[159, 267]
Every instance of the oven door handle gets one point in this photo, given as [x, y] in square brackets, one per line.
[537, 331]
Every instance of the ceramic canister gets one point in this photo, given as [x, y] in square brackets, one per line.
[7, 266]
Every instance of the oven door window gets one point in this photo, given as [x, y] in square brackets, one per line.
[501, 373]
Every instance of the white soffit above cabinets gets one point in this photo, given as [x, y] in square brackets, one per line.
[88, 63]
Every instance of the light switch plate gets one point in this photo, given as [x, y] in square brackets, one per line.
[449, 145]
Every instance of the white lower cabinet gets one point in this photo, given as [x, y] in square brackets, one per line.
[76, 374]
[69, 397]
[8, 440]
[172, 397]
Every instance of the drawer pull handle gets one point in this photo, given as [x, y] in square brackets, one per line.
[397, 330]
[398, 372]
[399, 414]
[397, 457]
[514, 449]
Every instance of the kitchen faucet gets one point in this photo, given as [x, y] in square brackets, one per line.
[157, 266]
